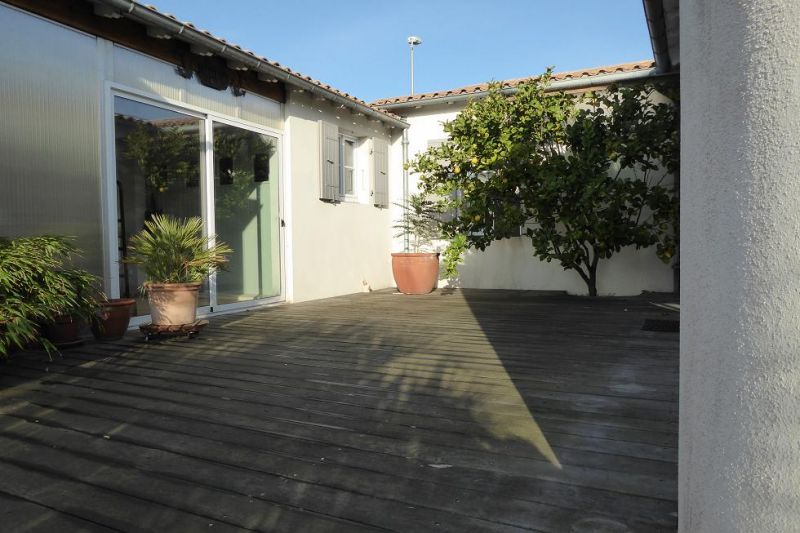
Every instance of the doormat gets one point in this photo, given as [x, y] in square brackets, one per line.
[659, 324]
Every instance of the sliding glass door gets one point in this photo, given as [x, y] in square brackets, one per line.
[162, 158]
[246, 210]
[159, 162]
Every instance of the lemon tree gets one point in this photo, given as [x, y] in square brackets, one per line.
[583, 176]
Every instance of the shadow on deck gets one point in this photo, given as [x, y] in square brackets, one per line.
[460, 411]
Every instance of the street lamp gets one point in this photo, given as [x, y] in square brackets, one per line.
[412, 42]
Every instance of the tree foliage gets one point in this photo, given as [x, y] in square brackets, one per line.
[584, 175]
[165, 155]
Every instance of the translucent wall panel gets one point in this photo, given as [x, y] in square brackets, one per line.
[260, 110]
[154, 76]
[49, 133]
[147, 74]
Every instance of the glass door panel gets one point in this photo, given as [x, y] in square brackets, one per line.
[159, 160]
[247, 218]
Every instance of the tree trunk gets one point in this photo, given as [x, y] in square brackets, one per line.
[591, 282]
[590, 275]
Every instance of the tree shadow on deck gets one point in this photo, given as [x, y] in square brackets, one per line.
[572, 384]
[461, 407]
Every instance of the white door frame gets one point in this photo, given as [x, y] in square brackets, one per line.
[109, 190]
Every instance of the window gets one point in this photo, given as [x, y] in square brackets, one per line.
[352, 169]
[347, 171]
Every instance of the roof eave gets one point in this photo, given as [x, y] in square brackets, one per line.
[185, 32]
[600, 80]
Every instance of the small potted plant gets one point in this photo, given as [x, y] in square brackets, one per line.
[176, 258]
[111, 320]
[417, 271]
[78, 305]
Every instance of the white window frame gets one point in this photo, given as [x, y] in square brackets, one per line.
[353, 195]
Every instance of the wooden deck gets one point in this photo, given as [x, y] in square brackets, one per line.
[464, 411]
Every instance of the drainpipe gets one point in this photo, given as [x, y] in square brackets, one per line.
[405, 184]
[654, 14]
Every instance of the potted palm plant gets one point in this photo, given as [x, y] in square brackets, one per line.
[176, 258]
[416, 271]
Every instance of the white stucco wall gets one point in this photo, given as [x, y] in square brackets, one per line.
[510, 264]
[740, 292]
[338, 248]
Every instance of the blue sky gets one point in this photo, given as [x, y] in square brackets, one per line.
[359, 46]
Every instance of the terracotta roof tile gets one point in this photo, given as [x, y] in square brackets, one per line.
[483, 87]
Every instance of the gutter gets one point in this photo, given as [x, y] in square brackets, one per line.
[657, 27]
[186, 33]
[560, 85]
[406, 240]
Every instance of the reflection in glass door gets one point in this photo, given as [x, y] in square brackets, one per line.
[159, 162]
[246, 205]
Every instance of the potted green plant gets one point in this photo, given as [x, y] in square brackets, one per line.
[80, 288]
[417, 271]
[176, 258]
[42, 301]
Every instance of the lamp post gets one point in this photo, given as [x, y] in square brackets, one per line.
[412, 42]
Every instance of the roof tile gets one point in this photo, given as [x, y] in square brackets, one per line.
[482, 87]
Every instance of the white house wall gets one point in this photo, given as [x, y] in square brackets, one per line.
[510, 264]
[337, 248]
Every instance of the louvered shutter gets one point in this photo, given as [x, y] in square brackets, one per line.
[380, 151]
[329, 165]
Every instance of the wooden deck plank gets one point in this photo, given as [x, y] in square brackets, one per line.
[491, 487]
[20, 516]
[655, 482]
[462, 410]
[364, 404]
[599, 437]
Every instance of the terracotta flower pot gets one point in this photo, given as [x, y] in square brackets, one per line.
[173, 303]
[64, 331]
[112, 319]
[415, 273]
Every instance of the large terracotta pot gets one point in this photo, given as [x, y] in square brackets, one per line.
[64, 331]
[112, 319]
[415, 273]
[173, 303]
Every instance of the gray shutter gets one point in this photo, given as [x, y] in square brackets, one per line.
[380, 151]
[329, 164]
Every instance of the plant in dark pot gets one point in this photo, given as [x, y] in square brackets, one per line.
[42, 301]
[80, 288]
[111, 320]
[176, 257]
[416, 271]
